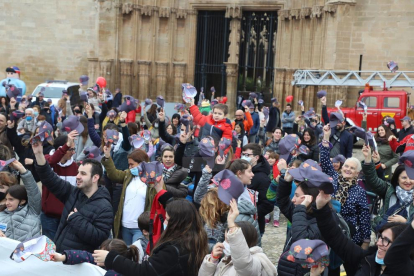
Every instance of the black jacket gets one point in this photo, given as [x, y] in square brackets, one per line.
[346, 139]
[117, 100]
[405, 132]
[303, 227]
[261, 181]
[274, 119]
[90, 225]
[362, 262]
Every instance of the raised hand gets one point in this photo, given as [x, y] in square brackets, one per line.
[18, 166]
[307, 200]
[89, 111]
[282, 164]
[122, 116]
[322, 199]
[107, 151]
[233, 213]
[217, 251]
[391, 138]
[71, 138]
[323, 100]
[10, 124]
[366, 151]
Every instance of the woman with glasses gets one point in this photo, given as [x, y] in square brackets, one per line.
[389, 256]
[397, 196]
[351, 197]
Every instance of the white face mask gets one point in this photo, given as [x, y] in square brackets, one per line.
[248, 159]
[226, 250]
[156, 125]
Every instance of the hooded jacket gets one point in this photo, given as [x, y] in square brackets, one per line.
[246, 213]
[87, 228]
[261, 181]
[244, 260]
[24, 223]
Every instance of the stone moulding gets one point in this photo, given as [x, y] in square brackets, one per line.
[128, 8]
[233, 12]
[312, 12]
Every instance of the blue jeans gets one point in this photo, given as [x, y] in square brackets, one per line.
[49, 225]
[130, 235]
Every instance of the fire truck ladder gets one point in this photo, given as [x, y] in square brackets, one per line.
[303, 78]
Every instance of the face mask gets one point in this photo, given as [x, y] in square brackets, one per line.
[378, 260]
[164, 226]
[156, 125]
[226, 250]
[29, 118]
[36, 113]
[143, 124]
[248, 159]
[2, 196]
[39, 123]
[134, 171]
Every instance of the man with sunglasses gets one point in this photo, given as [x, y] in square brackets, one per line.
[66, 168]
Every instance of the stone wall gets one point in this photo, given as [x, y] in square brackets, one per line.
[47, 39]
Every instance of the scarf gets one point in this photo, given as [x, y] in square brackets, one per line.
[167, 173]
[405, 197]
[343, 187]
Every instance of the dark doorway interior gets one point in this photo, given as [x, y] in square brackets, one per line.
[211, 52]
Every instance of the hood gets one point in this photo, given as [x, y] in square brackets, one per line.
[246, 207]
[261, 166]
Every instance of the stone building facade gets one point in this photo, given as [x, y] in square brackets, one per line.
[148, 48]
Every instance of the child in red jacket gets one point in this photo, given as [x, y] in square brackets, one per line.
[215, 124]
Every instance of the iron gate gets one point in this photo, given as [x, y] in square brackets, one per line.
[211, 52]
[257, 52]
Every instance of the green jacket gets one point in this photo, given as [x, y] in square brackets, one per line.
[125, 177]
[383, 189]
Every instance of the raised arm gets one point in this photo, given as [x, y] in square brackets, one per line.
[33, 193]
[373, 182]
[326, 163]
[115, 175]
[57, 186]
[96, 139]
[283, 193]
[202, 186]
[125, 131]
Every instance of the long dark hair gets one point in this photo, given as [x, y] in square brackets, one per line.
[313, 191]
[242, 132]
[18, 192]
[388, 133]
[130, 252]
[396, 175]
[312, 140]
[238, 165]
[185, 228]
[249, 233]
[153, 110]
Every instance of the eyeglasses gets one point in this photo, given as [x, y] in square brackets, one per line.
[71, 149]
[384, 241]
[247, 154]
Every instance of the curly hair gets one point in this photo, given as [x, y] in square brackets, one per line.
[212, 208]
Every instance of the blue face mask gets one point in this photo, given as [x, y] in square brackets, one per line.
[29, 118]
[36, 113]
[248, 159]
[378, 260]
[134, 171]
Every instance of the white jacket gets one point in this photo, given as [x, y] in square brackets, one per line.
[245, 261]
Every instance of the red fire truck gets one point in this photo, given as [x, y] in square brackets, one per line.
[380, 103]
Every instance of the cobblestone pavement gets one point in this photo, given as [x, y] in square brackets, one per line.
[274, 238]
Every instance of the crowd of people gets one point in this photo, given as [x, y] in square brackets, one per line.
[127, 188]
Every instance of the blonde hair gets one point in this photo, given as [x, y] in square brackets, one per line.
[212, 208]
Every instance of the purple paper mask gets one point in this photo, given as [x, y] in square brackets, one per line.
[136, 141]
[253, 95]
[93, 152]
[300, 103]
[45, 130]
[160, 101]
[147, 102]
[212, 89]
[189, 92]
[224, 144]
[4, 164]
[185, 120]
[266, 112]
[229, 186]
[111, 114]
[393, 66]
[338, 103]
[83, 96]
[146, 135]
[151, 173]
[214, 102]
[180, 107]
[84, 79]
[112, 136]
[321, 94]
[128, 105]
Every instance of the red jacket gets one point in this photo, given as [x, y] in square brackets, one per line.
[248, 122]
[405, 145]
[200, 119]
[132, 115]
[51, 206]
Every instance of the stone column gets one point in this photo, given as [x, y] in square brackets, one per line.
[232, 66]
[191, 46]
[179, 75]
[92, 70]
[232, 74]
[161, 80]
[105, 71]
[144, 71]
[126, 77]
